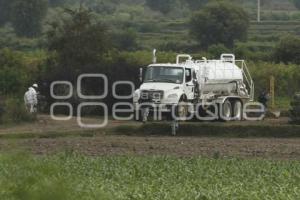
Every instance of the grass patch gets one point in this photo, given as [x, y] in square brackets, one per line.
[53, 134]
[70, 176]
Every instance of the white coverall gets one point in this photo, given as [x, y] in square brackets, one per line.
[30, 100]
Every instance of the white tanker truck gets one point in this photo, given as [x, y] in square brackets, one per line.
[188, 88]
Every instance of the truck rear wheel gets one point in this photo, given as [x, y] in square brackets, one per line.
[237, 110]
[225, 113]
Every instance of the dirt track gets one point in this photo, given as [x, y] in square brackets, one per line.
[177, 146]
[100, 144]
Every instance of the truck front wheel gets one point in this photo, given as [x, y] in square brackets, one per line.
[182, 110]
[237, 110]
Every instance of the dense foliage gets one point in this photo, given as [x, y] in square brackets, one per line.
[15, 77]
[287, 77]
[219, 22]
[27, 16]
[13, 74]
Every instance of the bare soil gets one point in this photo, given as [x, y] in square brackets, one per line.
[46, 124]
[269, 148]
[184, 146]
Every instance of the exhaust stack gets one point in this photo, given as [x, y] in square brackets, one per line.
[154, 56]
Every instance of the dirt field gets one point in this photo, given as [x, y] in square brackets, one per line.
[141, 144]
[175, 146]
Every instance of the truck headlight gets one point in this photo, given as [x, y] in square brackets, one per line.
[173, 96]
[135, 95]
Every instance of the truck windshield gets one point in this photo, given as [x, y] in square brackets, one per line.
[164, 74]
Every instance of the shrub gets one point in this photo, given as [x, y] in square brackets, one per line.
[13, 111]
[287, 77]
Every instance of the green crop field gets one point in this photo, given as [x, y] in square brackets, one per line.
[70, 176]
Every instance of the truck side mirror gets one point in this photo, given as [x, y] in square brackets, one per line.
[141, 74]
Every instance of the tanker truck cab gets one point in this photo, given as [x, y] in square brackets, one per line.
[166, 86]
[162, 84]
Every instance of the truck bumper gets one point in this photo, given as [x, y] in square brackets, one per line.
[154, 106]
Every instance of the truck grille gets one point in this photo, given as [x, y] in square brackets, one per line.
[152, 95]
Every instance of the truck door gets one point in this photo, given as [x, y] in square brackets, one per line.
[189, 84]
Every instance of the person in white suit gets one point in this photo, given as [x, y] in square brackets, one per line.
[30, 99]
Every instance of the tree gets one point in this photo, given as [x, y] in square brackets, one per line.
[27, 16]
[164, 6]
[195, 4]
[219, 22]
[77, 45]
[126, 40]
[288, 50]
[297, 3]
[78, 41]
[4, 11]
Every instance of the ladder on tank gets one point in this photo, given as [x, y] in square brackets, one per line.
[246, 73]
[247, 76]
[230, 58]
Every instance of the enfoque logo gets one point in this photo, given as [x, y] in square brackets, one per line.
[93, 100]
[257, 110]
